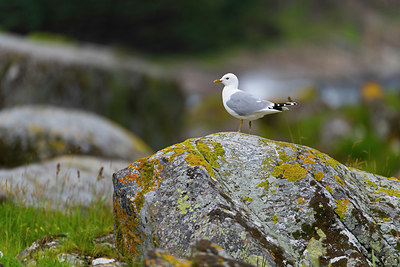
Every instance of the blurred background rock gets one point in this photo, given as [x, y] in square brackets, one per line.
[149, 67]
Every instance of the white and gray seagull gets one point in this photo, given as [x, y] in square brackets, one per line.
[245, 106]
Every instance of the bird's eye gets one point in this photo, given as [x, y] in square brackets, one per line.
[227, 78]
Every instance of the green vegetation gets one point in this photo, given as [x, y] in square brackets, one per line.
[163, 27]
[21, 226]
[360, 145]
[157, 26]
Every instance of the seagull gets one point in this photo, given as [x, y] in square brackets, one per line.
[245, 106]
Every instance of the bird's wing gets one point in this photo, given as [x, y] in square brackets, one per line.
[244, 103]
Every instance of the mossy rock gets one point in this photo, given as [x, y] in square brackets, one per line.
[125, 89]
[35, 133]
[265, 201]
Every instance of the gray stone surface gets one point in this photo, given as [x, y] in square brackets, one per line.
[261, 201]
[35, 133]
[124, 88]
[61, 182]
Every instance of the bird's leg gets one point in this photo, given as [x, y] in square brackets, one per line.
[249, 127]
[240, 126]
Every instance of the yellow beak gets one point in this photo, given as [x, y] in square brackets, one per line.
[217, 81]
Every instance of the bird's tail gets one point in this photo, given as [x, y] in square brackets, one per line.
[283, 106]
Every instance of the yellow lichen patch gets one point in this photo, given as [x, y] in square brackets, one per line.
[277, 171]
[341, 209]
[287, 145]
[284, 157]
[211, 155]
[390, 192]
[133, 177]
[275, 219]
[334, 163]
[127, 235]
[248, 199]
[329, 189]
[196, 159]
[217, 247]
[338, 180]
[145, 173]
[394, 179]
[183, 205]
[292, 172]
[264, 184]
[199, 155]
[324, 158]
[369, 183]
[318, 176]
[300, 200]
[309, 161]
[176, 150]
[218, 150]
[173, 261]
[311, 156]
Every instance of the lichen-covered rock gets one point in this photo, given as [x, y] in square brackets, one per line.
[33, 133]
[260, 200]
[124, 88]
[30, 255]
[60, 182]
[47, 242]
[161, 258]
[206, 254]
[203, 254]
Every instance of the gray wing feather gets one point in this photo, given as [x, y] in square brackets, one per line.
[243, 103]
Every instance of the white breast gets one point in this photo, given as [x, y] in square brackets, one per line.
[226, 94]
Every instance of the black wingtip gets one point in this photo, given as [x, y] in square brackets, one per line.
[282, 106]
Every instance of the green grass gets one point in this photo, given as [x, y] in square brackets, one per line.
[21, 226]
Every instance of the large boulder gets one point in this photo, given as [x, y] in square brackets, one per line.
[34, 133]
[63, 181]
[124, 88]
[264, 201]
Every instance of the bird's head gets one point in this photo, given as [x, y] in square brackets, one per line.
[228, 79]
